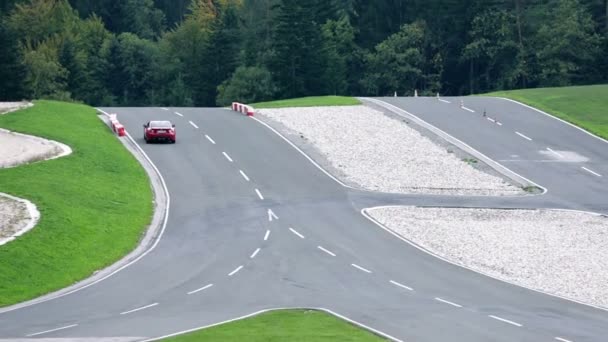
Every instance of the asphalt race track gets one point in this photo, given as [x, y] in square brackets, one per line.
[225, 255]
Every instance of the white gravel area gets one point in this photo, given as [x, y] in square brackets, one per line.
[17, 216]
[564, 253]
[17, 149]
[380, 153]
[7, 107]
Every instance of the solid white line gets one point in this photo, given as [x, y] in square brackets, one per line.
[139, 309]
[523, 136]
[469, 109]
[235, 271]
[556, 153]
[201, 289]
[254, 253]
[445, 101]
[401, 285]
[490, 119]
[52, 330]
[259, 194]
[267, 235]
[448, 302]
[163, 108]
[296, 232]
[244, 175]
[591, 171]
[361, 268]
[227, 157]
[562, 339]
[326, 251]
[209, 138]
[180, 114]
[505, 320]
[193, 124]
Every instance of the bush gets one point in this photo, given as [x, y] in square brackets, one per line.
[247, 85]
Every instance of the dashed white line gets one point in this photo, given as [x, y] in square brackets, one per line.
[201, 289]
[445, 101]
[326, 251]
[448, 302]
[254, 253]
[523, 136]
[499, 123]
[554, 152]
[209, 138]
[52, 330]
[259, 194]
[401, 285]
[562, 339]
[180, 114]
[296, 232]
[244, 175]
[227, 157]
[163, 108]
[591, 171]
[490, 119]
[193, 124]
[267, 235]
[139, 309]
[235, 271]
[361, 268]
[468, 109]
[505, 320]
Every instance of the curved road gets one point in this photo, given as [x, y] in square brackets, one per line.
[225, 255]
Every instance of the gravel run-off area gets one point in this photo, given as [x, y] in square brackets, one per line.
[375, 152]
[17, 216]
[564, 253]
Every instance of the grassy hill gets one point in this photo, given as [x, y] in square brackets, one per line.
[585, 106]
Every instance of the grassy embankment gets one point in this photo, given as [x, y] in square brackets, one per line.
[584, 106]
[94, 203]
[283, 325]
[310, 102]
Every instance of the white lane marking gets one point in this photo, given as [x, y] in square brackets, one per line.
[201, 289]
[490, 119]
[448, 302]
[267, 235]
[259, 194]
[401, 285]
[326, 251]
[254, 253]
[163, 108]
[180, 114]
[505, 320]
[52, 330]
[499, 123]
[193, 124]
[562, 339]
[523, 136]
[296, 232]
[361, 268]
[244, 175]
[272, 215]
[227, 157]
[591, 171]
[139, 309]
[235, 271]
[468, 109]
[556, 153]
[209, 138]
[444, 101]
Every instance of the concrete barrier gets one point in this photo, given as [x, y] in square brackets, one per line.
[243, 108]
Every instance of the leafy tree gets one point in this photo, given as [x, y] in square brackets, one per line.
[338, 45]
[247, 85]
[12, 71]
[45, 77]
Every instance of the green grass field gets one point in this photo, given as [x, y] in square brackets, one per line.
[94, 203]
[585, 106]
[310, 102]
[283, 325]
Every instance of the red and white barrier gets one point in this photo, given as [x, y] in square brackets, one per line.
[116, 126]
[242, 108]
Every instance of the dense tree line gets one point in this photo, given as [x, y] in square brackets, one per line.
[211, 52]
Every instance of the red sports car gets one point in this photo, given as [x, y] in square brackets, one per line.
[159, 131]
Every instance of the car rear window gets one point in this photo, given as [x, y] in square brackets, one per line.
[160, 124]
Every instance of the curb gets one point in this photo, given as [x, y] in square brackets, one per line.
[147, 243]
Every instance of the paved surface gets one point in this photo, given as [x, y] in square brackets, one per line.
[221, 257]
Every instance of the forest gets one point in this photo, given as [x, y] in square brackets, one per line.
[212, 52]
